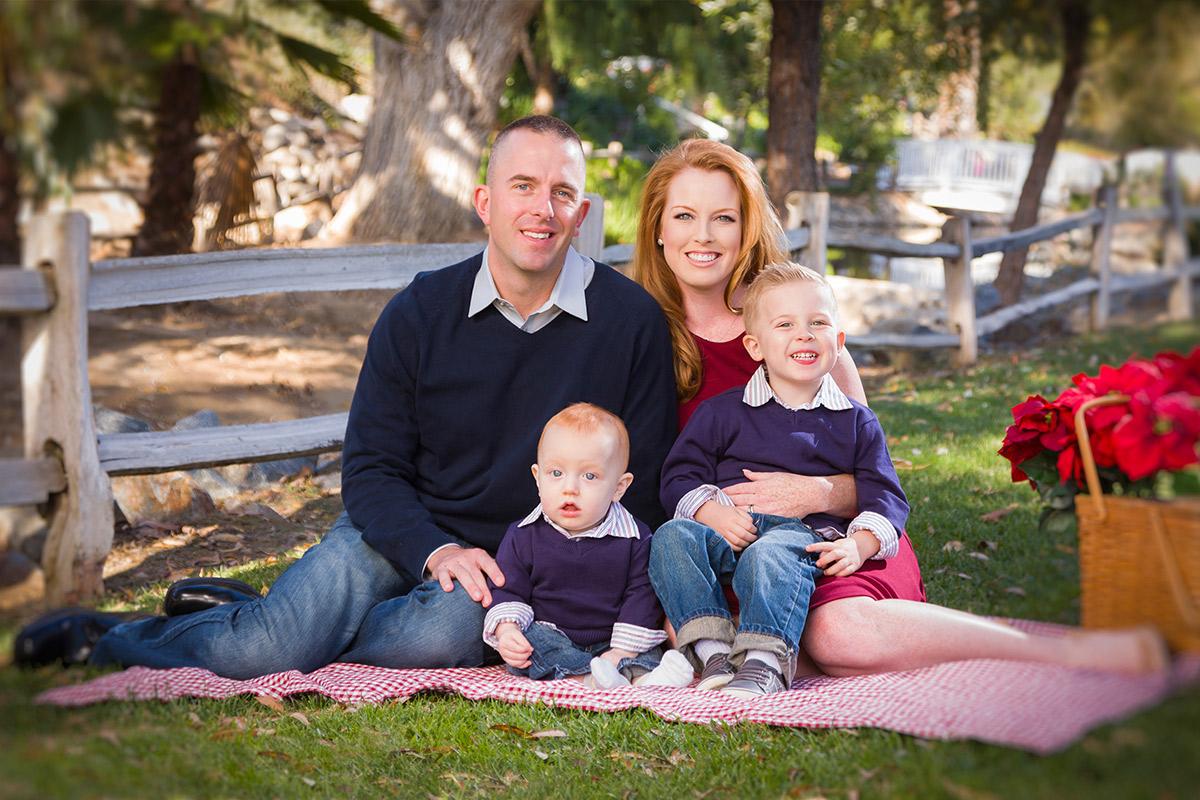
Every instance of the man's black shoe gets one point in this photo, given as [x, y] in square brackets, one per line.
[67, 636]
[196, 594]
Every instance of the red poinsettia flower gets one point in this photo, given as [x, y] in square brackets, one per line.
[1182, 373]
[1160, 433]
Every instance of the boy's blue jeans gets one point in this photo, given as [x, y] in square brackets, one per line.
[341, 602]
[773, 579]
[555, 656]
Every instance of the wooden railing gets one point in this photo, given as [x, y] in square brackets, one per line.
[67, 466]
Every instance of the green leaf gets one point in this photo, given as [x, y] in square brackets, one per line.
[82, 122]
[359, 11]
[305, 54]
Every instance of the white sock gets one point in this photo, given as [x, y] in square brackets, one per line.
[673, 670]
[770, 659]
[605, 675]
[707, 648]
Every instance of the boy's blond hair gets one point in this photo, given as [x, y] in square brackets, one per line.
[589, 418]
[780, 274]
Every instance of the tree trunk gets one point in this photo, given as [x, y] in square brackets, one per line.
[1076, 20]
[956, 116]
[793, 89]
[541, 74]
[435, 104]
[168, 226]
[10, 205]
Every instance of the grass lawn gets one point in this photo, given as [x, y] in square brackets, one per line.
[945, 427]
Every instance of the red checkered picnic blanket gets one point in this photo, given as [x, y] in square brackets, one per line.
[1031, 706]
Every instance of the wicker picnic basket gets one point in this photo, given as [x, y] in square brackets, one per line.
[1139, 560]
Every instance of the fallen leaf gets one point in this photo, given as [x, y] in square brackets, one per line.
[980, 556]
[194, 718]
[1065, 548]
[309, 782]
[513, 729]
[269, 702]
[964, 576]
[1017, 590]
[109, 736]
[999, 513]
[303, 720]
[985, 544]
[226, 538]
[541, 754]
[275, 754]
[550, 734]
[952, 546]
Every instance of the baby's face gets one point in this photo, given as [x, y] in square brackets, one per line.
[578, 476]
[795, 331]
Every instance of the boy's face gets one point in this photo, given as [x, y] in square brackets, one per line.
[795, 331]
[578, 476]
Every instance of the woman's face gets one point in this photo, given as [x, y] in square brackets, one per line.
[701, 229]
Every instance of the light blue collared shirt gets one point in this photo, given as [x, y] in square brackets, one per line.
[568, 294]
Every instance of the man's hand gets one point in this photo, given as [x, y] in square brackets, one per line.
[786, 495]
[514, 648]
[734, 525]
[843, 557]
[471, 567]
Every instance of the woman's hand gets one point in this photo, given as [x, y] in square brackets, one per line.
[786, 495]
[734, 524]
[514, 648]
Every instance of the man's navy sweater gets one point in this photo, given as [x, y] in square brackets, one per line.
[448, 409]
[726, 435]
[584, 585]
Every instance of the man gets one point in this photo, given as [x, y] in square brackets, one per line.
[462, 370]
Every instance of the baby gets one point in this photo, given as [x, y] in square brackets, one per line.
[577, 601]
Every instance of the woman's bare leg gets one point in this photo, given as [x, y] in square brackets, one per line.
[859, 635]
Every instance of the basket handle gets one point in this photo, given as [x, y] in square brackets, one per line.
[1085, 448]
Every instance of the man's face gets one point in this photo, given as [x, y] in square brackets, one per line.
[533, 203]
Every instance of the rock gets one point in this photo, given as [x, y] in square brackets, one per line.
[18, 524]
[278, 114]
[274, 137]
[21, 582]
[264, 473]
[109, 421]
[201, 419]
[329, 462]
[296, 223]
[357, 107]
[170, 496]
[329, 482]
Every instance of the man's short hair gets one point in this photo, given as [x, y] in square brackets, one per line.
[590, 418]
[780, 274]
[538, 123]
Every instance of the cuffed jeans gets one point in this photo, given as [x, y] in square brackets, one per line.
[341, 601]
[773, 579]
[555, 656]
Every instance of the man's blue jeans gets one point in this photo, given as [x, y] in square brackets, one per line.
[773, 579]
[341, 602]
[556, 657]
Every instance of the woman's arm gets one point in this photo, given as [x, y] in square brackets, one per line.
[845, 375]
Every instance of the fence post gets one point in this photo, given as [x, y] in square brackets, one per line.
[810, 209]
[1102, 235]
[960, 292]
[1175, 244]
[57, 401]
[591, 233]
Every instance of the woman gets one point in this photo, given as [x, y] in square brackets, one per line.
[705, 229]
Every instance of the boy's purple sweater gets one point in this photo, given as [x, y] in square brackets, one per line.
[726, 435]
[582, 585]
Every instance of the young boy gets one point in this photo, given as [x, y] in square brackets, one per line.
[791, 417]
[577, 599]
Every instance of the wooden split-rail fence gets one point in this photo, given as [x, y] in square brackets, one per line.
[66, 468]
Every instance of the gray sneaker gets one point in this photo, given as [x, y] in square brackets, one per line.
[717, 672]
[755, 679]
